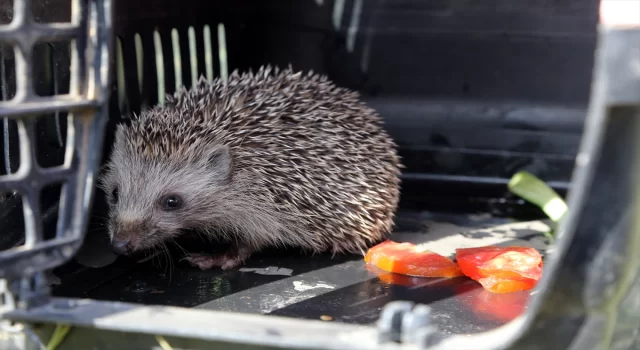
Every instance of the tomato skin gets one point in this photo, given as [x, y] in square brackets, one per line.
[409, 259]
[501, 269]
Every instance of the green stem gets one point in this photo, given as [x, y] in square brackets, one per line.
[534, 190]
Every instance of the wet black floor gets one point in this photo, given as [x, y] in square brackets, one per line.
[293, 284]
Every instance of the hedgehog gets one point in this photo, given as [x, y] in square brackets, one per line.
[276, 158]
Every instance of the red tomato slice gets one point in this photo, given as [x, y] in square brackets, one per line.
[501, 269]
[409, 259]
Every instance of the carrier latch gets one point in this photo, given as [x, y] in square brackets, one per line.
[407, 323]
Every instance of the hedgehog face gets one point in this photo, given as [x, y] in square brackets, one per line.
[154, 200]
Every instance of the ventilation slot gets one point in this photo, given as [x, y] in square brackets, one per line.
[121, 87]
[160, 67]
[222, 53]
[193, 56]
[177, 61]
[208, 52]
[165, 61]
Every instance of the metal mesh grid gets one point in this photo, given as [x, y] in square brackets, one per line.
[90, 34]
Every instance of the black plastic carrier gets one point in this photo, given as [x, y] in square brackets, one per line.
[471, 91]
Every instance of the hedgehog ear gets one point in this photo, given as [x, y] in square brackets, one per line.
[219, 160]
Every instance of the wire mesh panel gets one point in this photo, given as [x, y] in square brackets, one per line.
[86, 37]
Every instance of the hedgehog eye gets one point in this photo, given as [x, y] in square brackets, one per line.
[171, 202]
[114, 195]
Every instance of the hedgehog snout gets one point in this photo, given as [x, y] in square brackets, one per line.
[126, 237]
[120, 247]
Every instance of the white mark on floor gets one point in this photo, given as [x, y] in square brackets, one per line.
[301, 287]
[270, 270]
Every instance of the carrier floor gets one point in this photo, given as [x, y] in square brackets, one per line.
[337, 288]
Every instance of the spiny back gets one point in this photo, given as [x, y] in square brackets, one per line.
[312, 148]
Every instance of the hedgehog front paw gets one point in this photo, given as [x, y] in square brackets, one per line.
[228, 260]
[203, 261]
[208, 261]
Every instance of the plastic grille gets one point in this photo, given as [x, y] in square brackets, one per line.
[89, 34]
